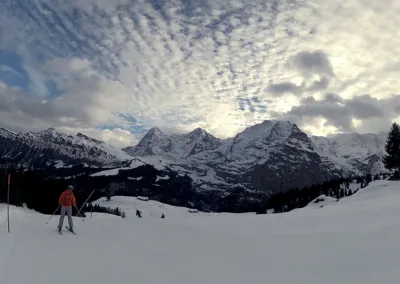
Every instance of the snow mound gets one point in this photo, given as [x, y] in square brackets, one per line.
[321, 201]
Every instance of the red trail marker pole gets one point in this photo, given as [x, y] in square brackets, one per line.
[8, 202]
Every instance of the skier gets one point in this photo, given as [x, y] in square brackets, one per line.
[67, 200]
[138, 213]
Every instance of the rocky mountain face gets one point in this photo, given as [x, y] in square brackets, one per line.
[274, 156]
[49, 147]
[356, 153]
[268, 157]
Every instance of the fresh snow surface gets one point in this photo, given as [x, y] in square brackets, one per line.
[162, 178]
[157, 162]
[112, 172]
[135, 178]
[355, 240]
[59, 164]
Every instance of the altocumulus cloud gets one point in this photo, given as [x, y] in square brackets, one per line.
[113, 68]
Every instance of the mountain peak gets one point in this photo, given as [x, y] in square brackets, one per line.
[7, 133]
[198, 132]
[83, 136]
[155, 131]
[5, 130]
[50, 131]
[269, 121]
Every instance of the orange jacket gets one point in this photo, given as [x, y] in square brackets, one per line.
[67, 199]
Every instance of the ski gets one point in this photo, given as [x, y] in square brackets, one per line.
[66, 227]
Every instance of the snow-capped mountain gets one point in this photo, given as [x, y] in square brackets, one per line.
[353, 152]
[174, 147]
[49, 147]
[274, 155]
[270, 156]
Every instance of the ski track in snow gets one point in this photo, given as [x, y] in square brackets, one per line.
[355, 240]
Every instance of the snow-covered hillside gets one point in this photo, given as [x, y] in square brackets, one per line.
[150, 208]
[351, 241]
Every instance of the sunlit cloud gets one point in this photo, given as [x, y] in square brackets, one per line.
[222, 66]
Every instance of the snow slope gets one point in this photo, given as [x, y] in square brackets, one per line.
[149, 208]
[354, 240]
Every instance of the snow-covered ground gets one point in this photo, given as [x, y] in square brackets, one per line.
[112, 172]
[355, 240]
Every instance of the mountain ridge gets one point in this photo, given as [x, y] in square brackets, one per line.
[47, 147]
[269, 146]
[269, 156]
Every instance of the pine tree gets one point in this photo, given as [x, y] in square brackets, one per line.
[392, 159]
[368, 178]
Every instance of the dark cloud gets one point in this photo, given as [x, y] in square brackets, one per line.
[339, 112]
[282, 88]
[312, 62]
[308, 100]
[319, 85]
[44, 113]
[333, 98]
[336, 114]
[308, 63]
[365, 107]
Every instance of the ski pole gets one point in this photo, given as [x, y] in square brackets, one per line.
[86, 201]
[53, 214]
[79, 214]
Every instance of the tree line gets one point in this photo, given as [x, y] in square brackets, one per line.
[38, 190]
[338, 188]
[101, 209]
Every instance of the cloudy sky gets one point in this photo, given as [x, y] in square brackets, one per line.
[114, 69]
